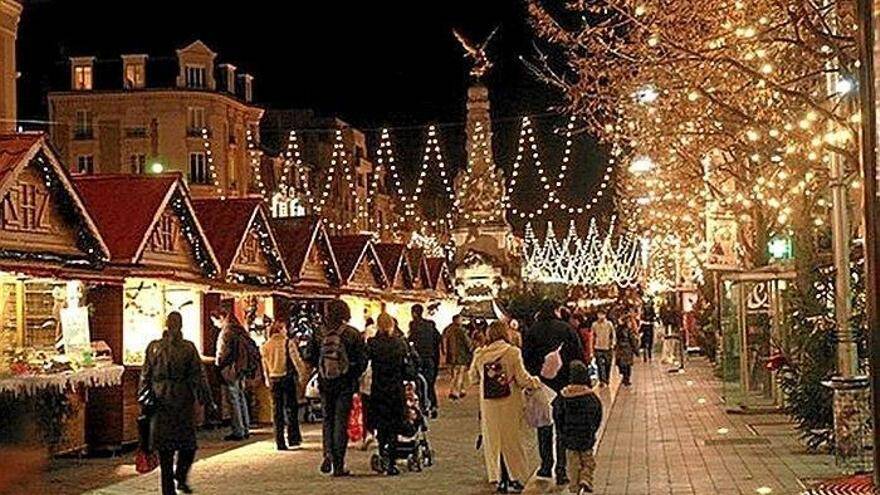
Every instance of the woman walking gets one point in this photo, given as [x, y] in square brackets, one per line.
[387, 354]
[498, 366]
[626, 347]
[173, 375]
[282, 366]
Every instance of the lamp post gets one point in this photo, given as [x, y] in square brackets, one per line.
[868, 137]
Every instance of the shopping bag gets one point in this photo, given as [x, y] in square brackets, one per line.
[356, 420]
[312, 390]
[552, 363]
[144, 461]
[538, 406]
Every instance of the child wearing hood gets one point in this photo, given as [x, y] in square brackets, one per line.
[579, 418]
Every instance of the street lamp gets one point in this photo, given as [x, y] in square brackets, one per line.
[157, 168]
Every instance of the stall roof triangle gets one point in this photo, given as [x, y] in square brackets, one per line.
[438, 271]
[394, 263]
[351, 251]
[127, 208]
[21, 150]
[419, 267]
[227, 223]
[297, 236]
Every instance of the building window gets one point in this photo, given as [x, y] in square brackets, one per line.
[138, 162]
[82, 77]
[134, 75]
[198, 168]
[196, 76]
[136, 132]
[85, 164]
[83, 128]
[195, 121]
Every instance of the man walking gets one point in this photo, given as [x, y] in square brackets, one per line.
[458, 355]
[338, 354]
[233, 362]
[426, 340]
[547, 336]
[603, 343]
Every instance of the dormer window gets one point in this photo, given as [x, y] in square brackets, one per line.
[81, 73]
[196, 77]
[134, 71]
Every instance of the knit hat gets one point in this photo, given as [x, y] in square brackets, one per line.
[578, 373]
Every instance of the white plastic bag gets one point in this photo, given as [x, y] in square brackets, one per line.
[552, 364]
[538, 406]
[312, 391]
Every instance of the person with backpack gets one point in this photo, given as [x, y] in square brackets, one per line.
[238, 359]
[423, 335]
[580, 415]
[338, 353]
[549, 347]
[498, 368]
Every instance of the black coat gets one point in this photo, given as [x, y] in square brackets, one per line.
[354, 350]
[388, 355]
[426, 339]
[543, 337]
[579, 416]
[173, 369]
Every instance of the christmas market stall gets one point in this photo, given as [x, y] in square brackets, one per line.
[252, 275]
[362, 279]
[51, 254]
[164, 262]
[402, 292]
[442, 303]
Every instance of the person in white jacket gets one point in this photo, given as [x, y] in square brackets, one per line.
[281, 368]
[603, 343]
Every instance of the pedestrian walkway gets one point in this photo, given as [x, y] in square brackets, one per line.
[669, 434]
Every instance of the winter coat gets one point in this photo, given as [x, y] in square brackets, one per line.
[173, 369]
[626, 346]
[354, 350]
[502, 420]
[387, 355]
[281, 357]
[229, 360]
[457, 345]
[543, 337]
[426, 339]
[579, 416]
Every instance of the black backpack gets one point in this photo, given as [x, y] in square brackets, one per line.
[252, 361]
[333, 361]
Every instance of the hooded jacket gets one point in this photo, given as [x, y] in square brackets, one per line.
[579, 417]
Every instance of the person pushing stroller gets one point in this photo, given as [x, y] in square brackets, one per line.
[388, 354]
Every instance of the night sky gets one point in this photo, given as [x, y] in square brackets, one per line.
[373, 64]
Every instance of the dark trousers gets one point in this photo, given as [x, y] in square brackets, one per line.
[545, 444]
[336, 404]
[429, 369]
[648, 345]
[603, 365]
[169, 473]
[625, 372]
[505, 475]
[285, 410]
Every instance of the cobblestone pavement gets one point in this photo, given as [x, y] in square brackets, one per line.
[669, 434]
[660, 438]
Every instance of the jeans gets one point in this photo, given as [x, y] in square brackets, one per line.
[546, 444]
[241, 419]
[285, 410]
[429, 370]
[625, 373]
[336, 404]
[169, 474]
[459, 373]
[603, 363]
[583, 465]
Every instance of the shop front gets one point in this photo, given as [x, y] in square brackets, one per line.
[163, 262]
[51, 254]
[253, 274]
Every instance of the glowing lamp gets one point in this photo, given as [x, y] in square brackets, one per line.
[844, 85]
[641, 164]
[647, 94]
[780, 248]
[157, 168]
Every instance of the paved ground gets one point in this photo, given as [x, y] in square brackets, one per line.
[669, 434]
[660, 439]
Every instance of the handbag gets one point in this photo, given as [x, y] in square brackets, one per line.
[539, 408]
[496, 385]
[312, 389]
[144, 462]
[552, 364]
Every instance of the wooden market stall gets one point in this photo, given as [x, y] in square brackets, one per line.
[50, 256]
[164, 262]
[253, 274]
[362, 279]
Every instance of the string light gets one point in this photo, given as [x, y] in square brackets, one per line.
[209, 157]
[255, 155]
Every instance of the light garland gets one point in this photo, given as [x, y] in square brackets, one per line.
[206, 142]
[384, 154]
[331, 173]
[254, 155]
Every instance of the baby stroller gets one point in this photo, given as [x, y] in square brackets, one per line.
[412, 441]
[314, 413]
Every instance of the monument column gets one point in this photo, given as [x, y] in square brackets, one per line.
[10, 13]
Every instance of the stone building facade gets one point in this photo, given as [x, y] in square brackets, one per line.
[150, 118]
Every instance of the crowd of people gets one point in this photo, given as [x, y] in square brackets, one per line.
[554, 359]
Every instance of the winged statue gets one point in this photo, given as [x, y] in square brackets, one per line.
[477, 53]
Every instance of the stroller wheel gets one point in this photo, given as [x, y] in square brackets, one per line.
[410, 464]
[376, 463]
[429, 457]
